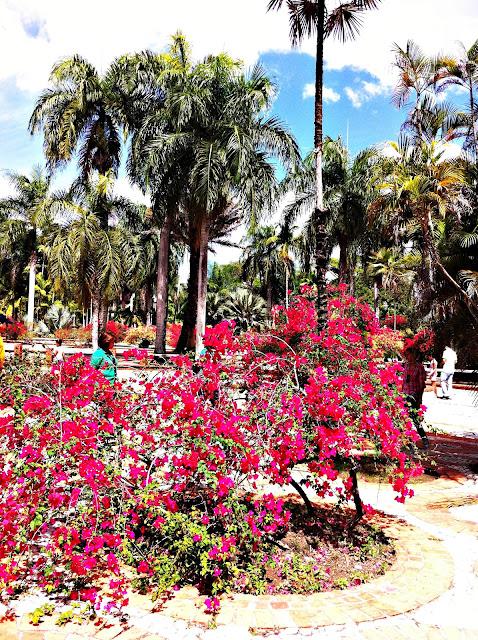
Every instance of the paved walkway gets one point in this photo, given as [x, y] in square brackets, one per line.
[430, 593]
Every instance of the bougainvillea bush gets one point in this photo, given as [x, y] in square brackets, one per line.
[169, 482]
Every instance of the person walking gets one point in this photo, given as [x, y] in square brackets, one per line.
[449, 362]
[414, 376]
[433, 374]
[58, 351]
[104, 359]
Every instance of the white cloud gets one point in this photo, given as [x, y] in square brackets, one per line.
[329, 94]
[309, 91]
[364, 92]
[33, 34]
[354, 97]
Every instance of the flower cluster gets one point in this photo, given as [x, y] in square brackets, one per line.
[165, 475]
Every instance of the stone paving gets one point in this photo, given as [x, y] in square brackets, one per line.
[431, 592]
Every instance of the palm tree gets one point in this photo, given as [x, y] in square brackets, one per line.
[98, 260]
[246, 308]
[80, 113]
[308, 18]
[222, 145]
[463, 72]
[26, 216]
[156, 78]
[268, 257]
[416, 188]
[392, 269]
[347, 194]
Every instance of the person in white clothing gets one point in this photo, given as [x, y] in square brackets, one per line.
[58, 351]
[446, 378]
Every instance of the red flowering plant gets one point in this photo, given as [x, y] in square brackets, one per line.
[395, 321]
[158, 482]
[13, 330]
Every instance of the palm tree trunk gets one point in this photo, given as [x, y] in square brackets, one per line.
[95, 318]
[202, 285]
[269, 295]
[343, 261]
[31, 289]
[187, 337]
[319, 213]
[376, 298]
[162, 285]
[286, 287]
[103, 313]
[472, 116]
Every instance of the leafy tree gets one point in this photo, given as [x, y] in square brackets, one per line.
[80, 112]
[314, 18]
[393, 270]
[417, 187]
[463, 72]
[267, 257]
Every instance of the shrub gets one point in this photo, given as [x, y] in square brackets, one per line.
[397, 321]
[154, 474]
[173, 331]
[13, 331]
[135, 335]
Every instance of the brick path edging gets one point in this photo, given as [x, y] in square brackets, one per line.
[422, 571]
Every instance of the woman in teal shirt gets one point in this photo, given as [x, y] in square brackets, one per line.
[103, 358]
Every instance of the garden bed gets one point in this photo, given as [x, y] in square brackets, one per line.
[321, 555]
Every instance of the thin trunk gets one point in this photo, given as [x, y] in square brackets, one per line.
[376, 298]
[188, 333]
[472, 115]
[95, 318]
[162, 286]
[148, 301]
[286, 287]
[103, 313]
[202, 286]
[31, 290]
[319, 213]
[343, 261]
[269, 295]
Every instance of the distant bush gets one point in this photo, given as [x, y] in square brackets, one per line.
[398, 321]
[173, 331]
[136, 335]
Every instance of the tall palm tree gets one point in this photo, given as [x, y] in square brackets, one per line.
[96, 259]
[347, 194]
[26, 216]
[308, 18]
[222, 145]
[156, 78]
